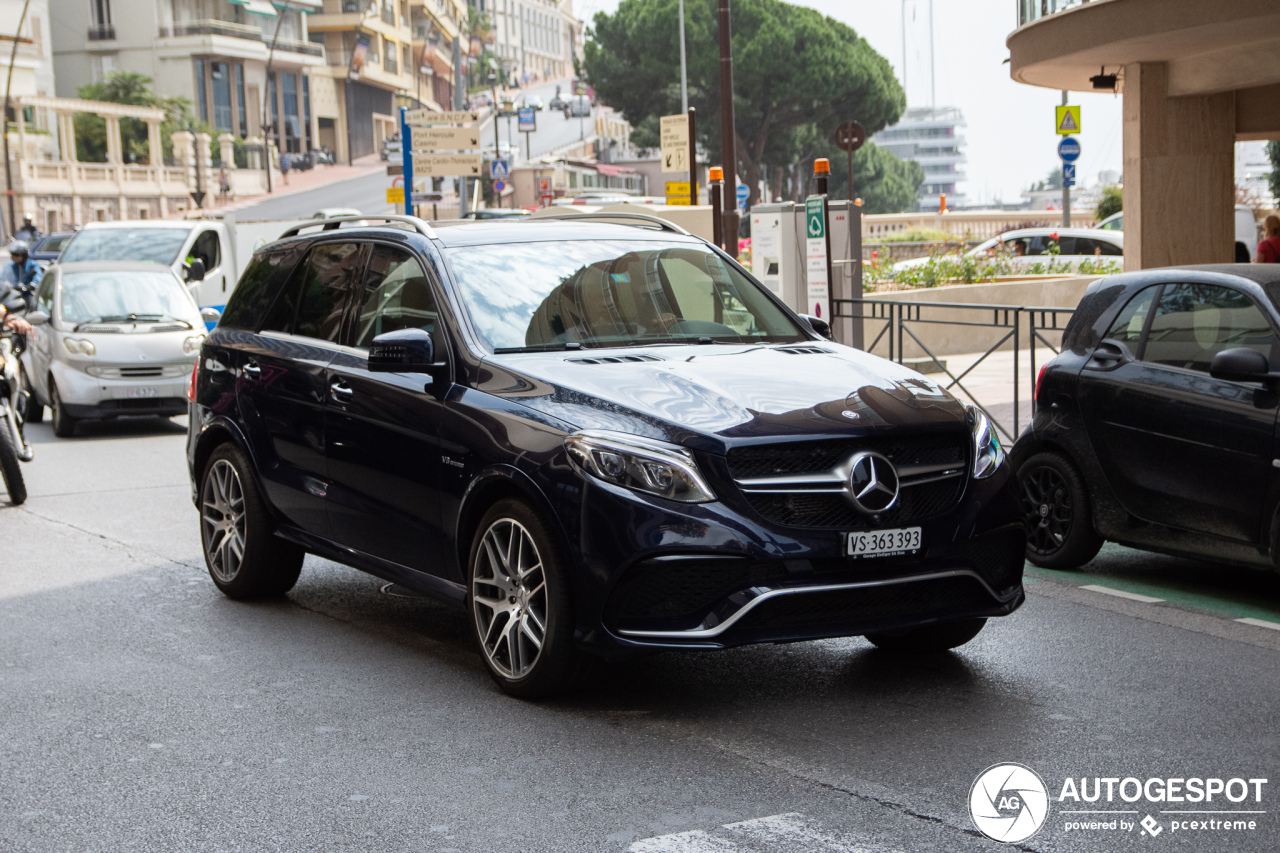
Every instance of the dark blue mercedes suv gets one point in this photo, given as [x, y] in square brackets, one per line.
[598, 437]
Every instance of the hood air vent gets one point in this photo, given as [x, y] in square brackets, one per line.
[613, 359]
[804, 350]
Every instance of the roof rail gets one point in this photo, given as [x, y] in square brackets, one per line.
[334, 223]
[642, 219]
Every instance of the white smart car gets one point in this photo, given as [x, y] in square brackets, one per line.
[1028, 246]
[112, 338]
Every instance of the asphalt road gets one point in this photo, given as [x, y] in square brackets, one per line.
[142, 711]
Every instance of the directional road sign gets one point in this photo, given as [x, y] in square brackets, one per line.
[1068, 174]
[426, 198]
[444, 138]
[527, 120]
[425, 117]
[499, 169]
[1069, 149]
[678, 192]
[445, 165]
[675, 143]
[1066, 119]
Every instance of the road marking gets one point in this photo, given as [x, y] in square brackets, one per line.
[1260, 623]
[1120, 593]
[780, 833]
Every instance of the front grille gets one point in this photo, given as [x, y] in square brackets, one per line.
[682, 589]
[140, 371]
[997, 558]
[833, 510]
[865, 607]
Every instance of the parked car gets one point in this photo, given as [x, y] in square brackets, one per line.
[532, 102]
[1033, 245]
[114, 339]
[557, 102]
[45, 250]
[578, 106]
[595, 439]
[1155, 427]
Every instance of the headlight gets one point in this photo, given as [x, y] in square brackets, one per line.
[649, 466]
[79, 346]
[192, 344]
[988, 455]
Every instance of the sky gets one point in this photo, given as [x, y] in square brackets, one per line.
[1010, 141]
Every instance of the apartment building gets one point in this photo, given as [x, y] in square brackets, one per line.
[215, 53]
[533, 39]
[932, 137]
[436, 24]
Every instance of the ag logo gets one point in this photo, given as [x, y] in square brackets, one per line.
[1008, 802]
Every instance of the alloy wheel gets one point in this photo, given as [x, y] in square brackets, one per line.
[1048, 507]
[222, 517]
[509, 598]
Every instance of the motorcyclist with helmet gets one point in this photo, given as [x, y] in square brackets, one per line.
[21, 273]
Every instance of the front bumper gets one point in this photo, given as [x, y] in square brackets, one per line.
[662, 575]
[85, 396]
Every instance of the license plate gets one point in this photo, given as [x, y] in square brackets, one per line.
[139, 392]
[883, 543]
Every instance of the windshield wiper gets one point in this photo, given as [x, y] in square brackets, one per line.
[568, 345]
[132, 318]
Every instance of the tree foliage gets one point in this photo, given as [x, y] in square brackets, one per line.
[797, 74]
[122, 87]
[1273, 177]
[1111, 202]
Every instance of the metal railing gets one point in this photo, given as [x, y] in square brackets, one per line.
[102, 32]
[1031, 10]
[895, 323]
[238, 31]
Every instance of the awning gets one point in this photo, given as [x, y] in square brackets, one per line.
[267, 7]
[613, 171]
[258, 7]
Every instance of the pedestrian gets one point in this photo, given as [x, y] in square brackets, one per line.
[1269, 248]
[224, 185]
[284, 169]
[28, 232]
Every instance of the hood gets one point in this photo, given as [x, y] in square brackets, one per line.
[714, 397]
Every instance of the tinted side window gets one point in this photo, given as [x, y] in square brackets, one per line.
[260, 284]
[1067, 246]
[1195, 322]
[1127, 328]
[206, 249]
[329, 274]
[1090, 246]
[396, 296]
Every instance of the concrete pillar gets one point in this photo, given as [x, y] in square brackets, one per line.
[155, 148]
[67, 136]
[114, 152]
[184, 153]
[253, 148]
[227, 150]
[1179, 173]
[203, 179]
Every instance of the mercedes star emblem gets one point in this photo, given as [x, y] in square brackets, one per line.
[873, 482]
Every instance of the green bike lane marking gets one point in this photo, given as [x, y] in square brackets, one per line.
[1246, 594]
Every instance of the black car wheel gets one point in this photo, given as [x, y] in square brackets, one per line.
[518, 597]
[64, 426]
[929, 638]
[244, 557]
[1060, 532]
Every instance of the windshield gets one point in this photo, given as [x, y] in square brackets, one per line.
[605, 293]
[123, 297]
[159, 245]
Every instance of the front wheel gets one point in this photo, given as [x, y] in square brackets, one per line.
[10, 468]
[929, 638]
[518, 597]
[64, 426]
[1060, 532]
[244, 557]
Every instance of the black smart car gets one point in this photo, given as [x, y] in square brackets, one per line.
[1156, 426]
[598, 438]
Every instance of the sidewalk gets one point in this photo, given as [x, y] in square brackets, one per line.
[310, 179]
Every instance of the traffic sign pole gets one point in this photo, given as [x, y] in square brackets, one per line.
[693, 151]
[406, 155]
[1066, 189]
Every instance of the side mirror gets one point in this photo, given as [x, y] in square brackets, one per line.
[37, 318]
[405, 351]
[210, 315]
[195, 270]
[819, 325]
[1240, 365]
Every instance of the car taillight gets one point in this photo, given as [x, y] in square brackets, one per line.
[1039, 379]
[191, 389]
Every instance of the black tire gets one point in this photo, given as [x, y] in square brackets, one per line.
[1059, 517]
[10, 468]
[64, 426]
[557, 664]
[938, 637]
[267, 566]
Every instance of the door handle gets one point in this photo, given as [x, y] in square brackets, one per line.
[341, 392]
[1109, 355]
[252, 371]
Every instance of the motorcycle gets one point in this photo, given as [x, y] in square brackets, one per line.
[13, 409]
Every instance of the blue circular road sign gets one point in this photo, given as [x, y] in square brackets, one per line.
[499, 186]
[1069, 149]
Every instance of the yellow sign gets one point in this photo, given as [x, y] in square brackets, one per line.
[395, 195]
[1066, 119]
[678, 192]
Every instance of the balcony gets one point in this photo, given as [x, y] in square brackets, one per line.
[1030, 10]
[226, 29]
[102, 32]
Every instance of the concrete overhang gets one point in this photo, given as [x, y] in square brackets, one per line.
[1210, 46]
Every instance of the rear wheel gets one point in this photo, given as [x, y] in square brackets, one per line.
[1060, 532]
[518, 597]
[64, 426]
[929, 638]
[10, 468]
[243, 555]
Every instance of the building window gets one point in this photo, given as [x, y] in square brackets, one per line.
[202, 103]
[220, 77]
[100, 10]
[292, 130]
[244, 125]
[306, 104]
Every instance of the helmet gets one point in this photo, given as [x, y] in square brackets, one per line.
[17, 247]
